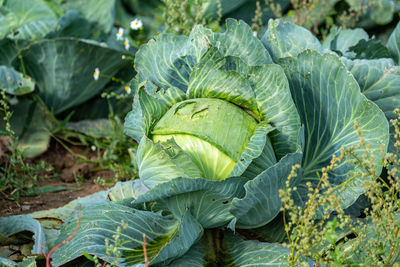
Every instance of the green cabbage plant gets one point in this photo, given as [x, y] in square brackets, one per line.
[220, 119]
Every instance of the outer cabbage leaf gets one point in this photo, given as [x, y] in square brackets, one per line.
[193, 258]
[26, 19]
[211, 80]
[285, 39]
[265, 160]
[166, 61]
[262, 203]
[379, 81]
[9, 50]
[329, 102]
[127, 190]
[258, 145]
[29, 123]
[227, 249]
[208, 201]
[176, 56]
[342, 39]
[53, 218]
[27, 262]
[148, 107]
[272, 232]
[12, 225]
[73, 24]
[63, 70]
[14, 82]
[370, 49]
[254, 253]
[393, 44]
[238, 40]
[9, 263]
[98, 128]
[97, 11]
[274, 102]
[276, 106]
[134, 123]
[35, 137]
[359, 206]
[152, 108]
[167, 237]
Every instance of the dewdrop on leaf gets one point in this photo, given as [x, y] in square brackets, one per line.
[136, 24]
[96, 74]
[120, 34]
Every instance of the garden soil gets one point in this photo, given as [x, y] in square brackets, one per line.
[78, 177]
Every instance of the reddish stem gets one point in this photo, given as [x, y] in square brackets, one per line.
[146, 261]
[64, 242]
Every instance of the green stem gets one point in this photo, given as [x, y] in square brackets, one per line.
[22, 64]
[113, 78]
[43, 105]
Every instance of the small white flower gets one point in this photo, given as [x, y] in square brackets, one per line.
[126, 44]
[120, 34]
[96, 74]
[127, 89]
[136, 24]
[255, 34]
[93, 148]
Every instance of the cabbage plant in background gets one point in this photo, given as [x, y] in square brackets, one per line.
[48, 53]
[220, 119]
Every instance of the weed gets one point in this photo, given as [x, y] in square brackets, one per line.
[317, 16]
[349, 17]
[345, 239]
[112, 249]
[181, 16]
[17, 176]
